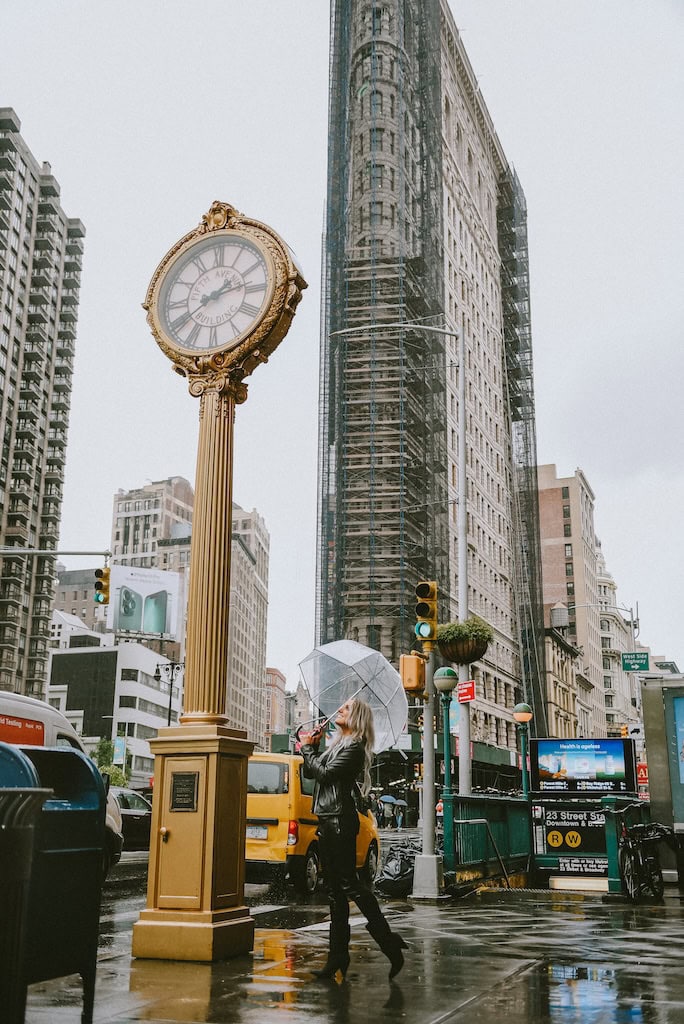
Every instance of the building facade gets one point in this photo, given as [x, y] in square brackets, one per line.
[114, 691]
[75, 595]
[248, 618]
[147, 515]
[426, 225]
[569, 573]
[41, 251]
[276, 704]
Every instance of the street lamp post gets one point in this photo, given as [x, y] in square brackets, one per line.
[523, 715]
[445, 680]
[171, 670]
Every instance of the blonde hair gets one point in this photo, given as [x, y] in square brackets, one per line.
[361, 729]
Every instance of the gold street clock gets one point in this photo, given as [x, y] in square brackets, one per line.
[222, 299]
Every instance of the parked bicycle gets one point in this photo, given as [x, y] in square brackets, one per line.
[639, 857]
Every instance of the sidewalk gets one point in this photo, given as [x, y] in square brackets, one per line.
[526, 957]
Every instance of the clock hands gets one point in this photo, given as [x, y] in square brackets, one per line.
[229, 286]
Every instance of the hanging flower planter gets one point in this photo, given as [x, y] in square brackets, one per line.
[464, 642]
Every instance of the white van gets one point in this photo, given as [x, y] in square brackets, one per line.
[29, 722]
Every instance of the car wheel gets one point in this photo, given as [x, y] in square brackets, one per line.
[370, 867]
[309, 873]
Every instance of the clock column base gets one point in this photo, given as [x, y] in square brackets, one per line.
[195, 895]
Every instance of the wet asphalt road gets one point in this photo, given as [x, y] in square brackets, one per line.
[511, 957]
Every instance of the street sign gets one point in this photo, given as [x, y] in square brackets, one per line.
[466, 691]
[637, 661]
[642, 773]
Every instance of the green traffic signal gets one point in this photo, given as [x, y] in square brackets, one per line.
[101, 595]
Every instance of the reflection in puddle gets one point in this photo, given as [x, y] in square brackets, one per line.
[590, 995]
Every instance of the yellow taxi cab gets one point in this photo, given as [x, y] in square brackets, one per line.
[281, 840]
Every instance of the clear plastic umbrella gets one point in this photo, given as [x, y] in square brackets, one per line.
[333, 673]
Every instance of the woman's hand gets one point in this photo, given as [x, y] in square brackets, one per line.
[311, 739]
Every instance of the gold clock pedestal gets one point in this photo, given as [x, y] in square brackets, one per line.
[219, 303]
[196, 877]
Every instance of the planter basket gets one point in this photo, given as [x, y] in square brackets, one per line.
[463, 652]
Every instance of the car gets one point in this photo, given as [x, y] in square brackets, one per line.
[281, 840]
[26, 721]
[136, 813]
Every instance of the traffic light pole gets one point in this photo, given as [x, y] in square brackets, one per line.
[428, 875]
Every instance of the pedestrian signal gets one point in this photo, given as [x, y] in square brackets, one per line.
[412, 672]
[426, 610]
[102, 585]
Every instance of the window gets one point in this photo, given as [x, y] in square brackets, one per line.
[567, 530]
[129, 675]
[568, 550]
[608, 698]
[127, 702]
[570, 589]
[565, 493]
[608, 682]
[569, 571]
[566, 511]
[267, 777]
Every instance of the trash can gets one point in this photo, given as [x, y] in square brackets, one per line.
[19, 810]
[63, 905]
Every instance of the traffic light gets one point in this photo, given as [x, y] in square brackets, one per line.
[412, 672]
[102, 585]
[426, 610]
[624, 732]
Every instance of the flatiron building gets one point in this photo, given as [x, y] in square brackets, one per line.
[425, 225]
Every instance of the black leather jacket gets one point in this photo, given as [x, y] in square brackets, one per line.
[335, 772]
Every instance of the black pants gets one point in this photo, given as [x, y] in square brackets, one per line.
[342, 882]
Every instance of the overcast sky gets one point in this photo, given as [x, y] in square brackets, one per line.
[148, 110]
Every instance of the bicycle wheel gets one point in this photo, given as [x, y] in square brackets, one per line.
[655, 875]
[629, 872]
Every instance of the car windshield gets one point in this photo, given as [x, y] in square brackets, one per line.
[267, 777]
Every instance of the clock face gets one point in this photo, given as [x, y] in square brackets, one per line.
[215, 293]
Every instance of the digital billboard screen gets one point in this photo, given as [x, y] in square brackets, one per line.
[582, 766]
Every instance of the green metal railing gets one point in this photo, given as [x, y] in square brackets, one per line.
[488, 832]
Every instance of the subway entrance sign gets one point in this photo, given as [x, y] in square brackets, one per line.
[637, 661]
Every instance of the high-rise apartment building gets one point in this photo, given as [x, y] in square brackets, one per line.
[276, 703]
[426, 225]
[40, 274]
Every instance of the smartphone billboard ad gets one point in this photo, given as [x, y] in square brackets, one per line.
[582, 767]
[144, 601]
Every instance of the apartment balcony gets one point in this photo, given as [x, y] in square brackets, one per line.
[8, 156]
[48, 186]
[43, 260]
[72, 264]
[30, 389]
[49, 516]
[19, 509]
[45, 569]
[46, 221]
[57, 437]
[36, 670]
[54, 472]
[72, 280]
[40, 627]
[24, 445]
[70, 297]
[37, 315]
[17, 531]
[22, 471]
[9, 635]
[4, 219]
[47, 204]
[31, 410]
[10, 594]
[40, 278]
[65, 344]
[52, 491]
[68, 314]
[8, 660]
[49, 240]
[32, 372]
[74, 246]
[60, 402]
[66, 331]
[62, 382]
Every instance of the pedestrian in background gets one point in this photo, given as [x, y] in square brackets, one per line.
[335, 771]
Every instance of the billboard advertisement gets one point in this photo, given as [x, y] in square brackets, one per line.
[144, 601]
[584, 767]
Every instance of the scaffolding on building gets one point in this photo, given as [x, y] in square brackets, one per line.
[515, 292]
[382, 430]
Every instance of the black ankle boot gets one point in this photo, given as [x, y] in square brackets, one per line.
[393, 952]
[389, 942]
[338, 962]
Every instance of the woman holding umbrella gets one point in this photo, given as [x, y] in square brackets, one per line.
[335, 772]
